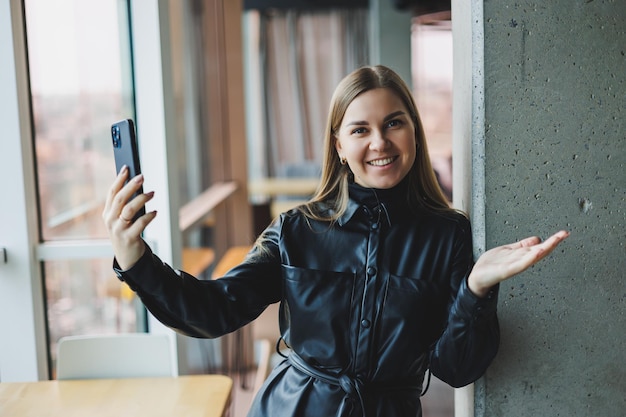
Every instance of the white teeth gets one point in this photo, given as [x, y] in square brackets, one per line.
[381, 162]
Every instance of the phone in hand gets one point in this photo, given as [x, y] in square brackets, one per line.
[126, 152]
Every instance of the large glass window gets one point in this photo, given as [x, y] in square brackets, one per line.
[81, 82]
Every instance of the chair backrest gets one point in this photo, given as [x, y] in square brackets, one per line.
[262, 356]
[131, 355]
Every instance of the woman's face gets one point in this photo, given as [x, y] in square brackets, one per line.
[377, 138]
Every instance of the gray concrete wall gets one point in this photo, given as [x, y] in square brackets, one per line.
[555, 150]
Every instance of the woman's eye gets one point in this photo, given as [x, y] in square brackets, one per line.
[358, 131]
[394, 123]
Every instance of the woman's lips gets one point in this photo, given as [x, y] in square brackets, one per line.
[382, 161]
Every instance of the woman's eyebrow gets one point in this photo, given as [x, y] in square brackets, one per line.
[365, 123]
[392, 115]
[357, 123]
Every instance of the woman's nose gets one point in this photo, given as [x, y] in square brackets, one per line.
[378, 141]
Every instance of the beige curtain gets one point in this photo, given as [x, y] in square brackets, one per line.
[303, 57]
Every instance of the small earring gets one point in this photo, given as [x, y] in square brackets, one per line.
[343, 160]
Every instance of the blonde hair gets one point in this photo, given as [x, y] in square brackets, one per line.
[424, 190]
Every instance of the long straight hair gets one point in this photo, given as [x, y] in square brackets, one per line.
[423, 189]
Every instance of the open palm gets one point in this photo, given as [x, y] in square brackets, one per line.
[503, 262]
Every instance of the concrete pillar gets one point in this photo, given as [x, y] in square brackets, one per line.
[547, 103]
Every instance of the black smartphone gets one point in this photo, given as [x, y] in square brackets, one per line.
[126, 152]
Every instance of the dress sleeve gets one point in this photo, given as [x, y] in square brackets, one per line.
[209, 308]
[471, 338]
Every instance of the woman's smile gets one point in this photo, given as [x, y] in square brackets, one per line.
[383, 162]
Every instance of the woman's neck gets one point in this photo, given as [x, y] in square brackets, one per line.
[372, 197]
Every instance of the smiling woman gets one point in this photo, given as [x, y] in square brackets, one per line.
[375, 274]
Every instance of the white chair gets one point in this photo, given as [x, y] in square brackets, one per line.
[130, 355]
[262, 355]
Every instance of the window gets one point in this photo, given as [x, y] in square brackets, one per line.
[81, 81]
[60, 160]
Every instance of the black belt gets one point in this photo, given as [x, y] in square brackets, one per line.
[353, 387]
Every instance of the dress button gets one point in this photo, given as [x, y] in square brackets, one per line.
[371, 271]
[365, 323]
[375, 226]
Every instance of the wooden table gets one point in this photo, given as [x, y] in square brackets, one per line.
[233, 257]
[283, 186]
[189, 396]
[197, 260]
[268, 189]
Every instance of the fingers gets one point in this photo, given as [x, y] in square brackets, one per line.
[120, 206]
[115, 187]
[130, 231]
[123, 195]
[528, 242]
[547, 246]
[124, 220]
[557, 238]
[119, 194]
[553, 240]
[119, 209]
[129, 211]
[532, 250]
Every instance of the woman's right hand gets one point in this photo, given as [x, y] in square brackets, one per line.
[125, 234]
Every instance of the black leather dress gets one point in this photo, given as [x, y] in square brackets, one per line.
[368, 304]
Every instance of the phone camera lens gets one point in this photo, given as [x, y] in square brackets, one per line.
[115, 133]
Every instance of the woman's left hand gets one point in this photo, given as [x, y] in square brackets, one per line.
[503, 262]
